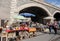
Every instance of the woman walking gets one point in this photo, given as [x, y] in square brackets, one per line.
[55, 26]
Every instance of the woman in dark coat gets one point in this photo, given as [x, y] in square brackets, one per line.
[55, 26]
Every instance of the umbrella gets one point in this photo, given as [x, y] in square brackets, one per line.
[19, 17]
[49, 18]
[27, 14]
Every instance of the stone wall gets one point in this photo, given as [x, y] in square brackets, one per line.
[4, 9]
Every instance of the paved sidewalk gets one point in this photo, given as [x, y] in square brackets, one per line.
[43, 37]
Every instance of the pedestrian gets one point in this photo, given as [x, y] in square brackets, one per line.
[42, 27]
[49, 24]
[55, 26]
[59, 23]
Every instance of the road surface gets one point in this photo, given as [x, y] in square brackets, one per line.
[44, 37]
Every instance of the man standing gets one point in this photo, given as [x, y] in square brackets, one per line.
[55, 26]
[50, 26]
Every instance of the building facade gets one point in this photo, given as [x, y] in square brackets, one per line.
[9, 8]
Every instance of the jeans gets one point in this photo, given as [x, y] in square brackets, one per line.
[50, 28]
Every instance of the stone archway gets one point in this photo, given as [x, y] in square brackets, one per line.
[39, 12]
[57, 16]
[26, 6]
[34, 7]
[30, 5]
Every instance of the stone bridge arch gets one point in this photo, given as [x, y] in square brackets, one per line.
[56, 15]
[34, 5]
[21, 7]
[31, 5]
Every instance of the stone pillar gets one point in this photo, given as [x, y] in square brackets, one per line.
[52, 20]
[13, 8]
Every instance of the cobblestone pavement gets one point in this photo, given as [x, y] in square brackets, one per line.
[57, 39]
[44, 37]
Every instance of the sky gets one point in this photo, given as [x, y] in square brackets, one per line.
[54, 2]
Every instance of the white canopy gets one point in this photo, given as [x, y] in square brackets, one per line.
[20, 18]
[24, 20]
[49, 18]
